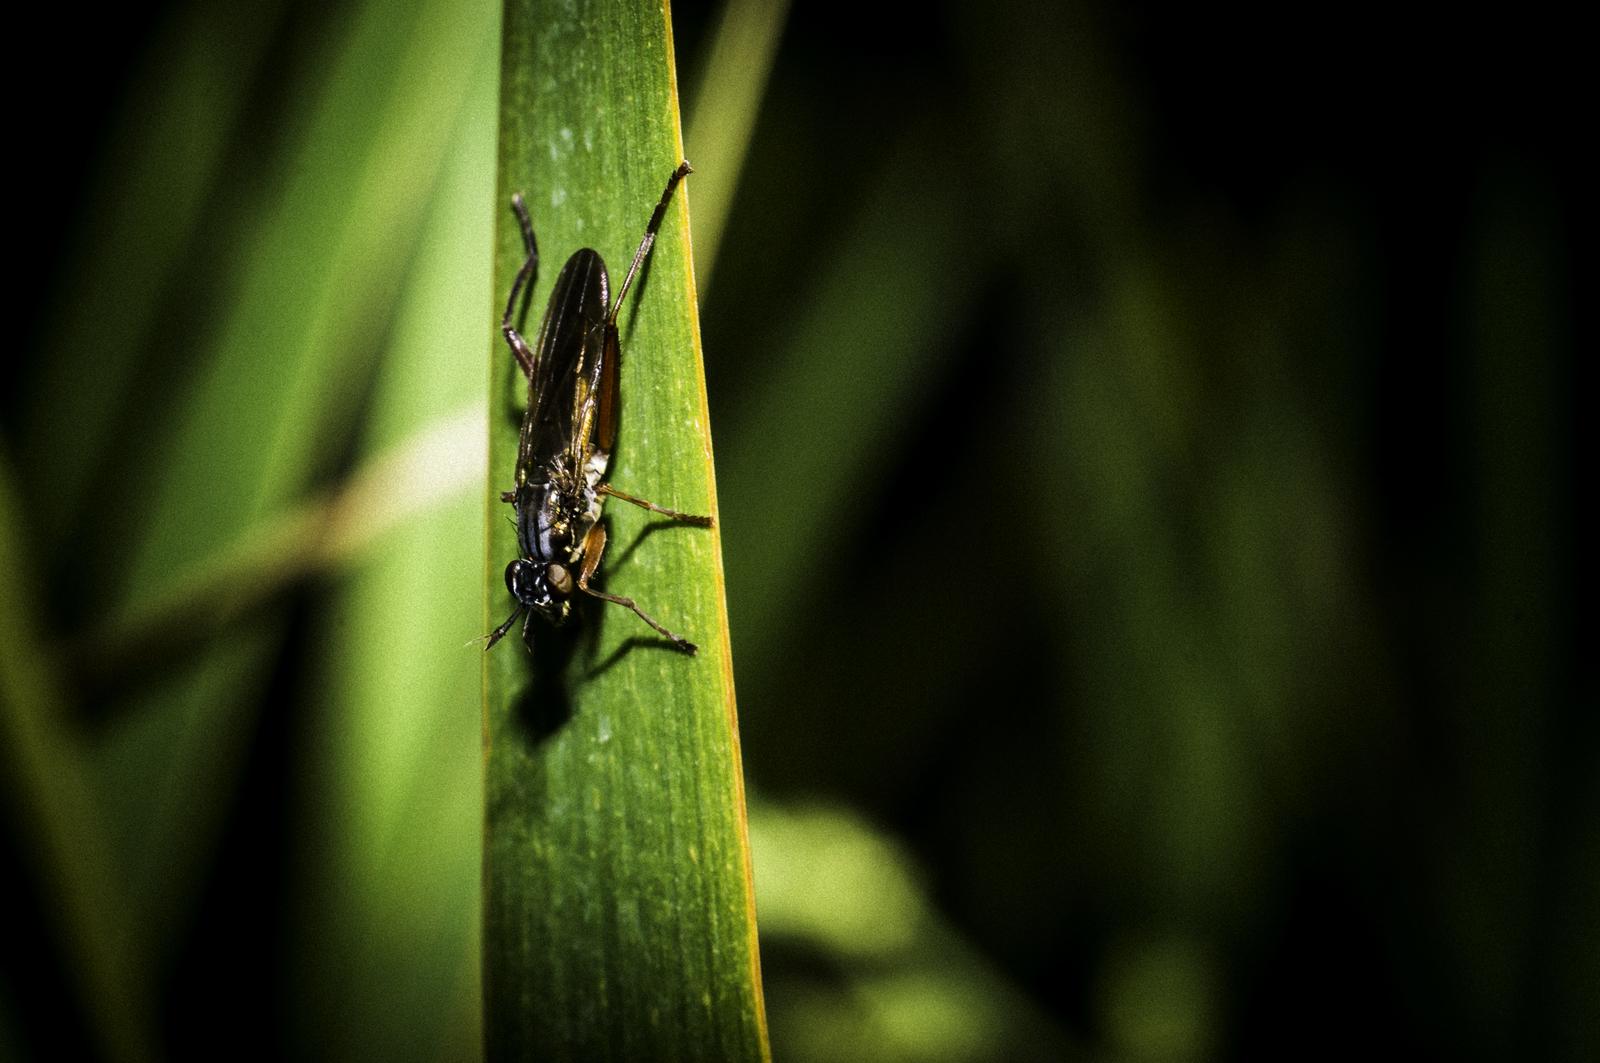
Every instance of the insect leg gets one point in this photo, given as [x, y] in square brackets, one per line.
[649, 240]
[687, 518]
[594, 544]
[519, 346]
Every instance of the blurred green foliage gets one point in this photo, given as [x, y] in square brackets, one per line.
[1117, 419]
[282, 274]
[1148, 467]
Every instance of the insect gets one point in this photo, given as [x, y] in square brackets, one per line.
[567, 433]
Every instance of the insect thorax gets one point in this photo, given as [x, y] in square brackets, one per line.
[554, 516]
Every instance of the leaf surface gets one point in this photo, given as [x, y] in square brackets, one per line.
[618, 913]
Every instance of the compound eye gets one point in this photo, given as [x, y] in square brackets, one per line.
[560, 579]
[520, 578]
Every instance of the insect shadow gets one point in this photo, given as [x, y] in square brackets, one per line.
[622, 556]
[545, 705]
[562, 657]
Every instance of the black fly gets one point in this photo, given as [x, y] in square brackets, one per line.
[567, 432]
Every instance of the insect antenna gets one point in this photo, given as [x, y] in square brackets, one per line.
[500, 632]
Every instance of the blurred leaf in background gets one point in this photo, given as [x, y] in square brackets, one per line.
[280, 278]
[1117, 422]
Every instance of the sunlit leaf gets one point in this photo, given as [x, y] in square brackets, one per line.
[618, 915]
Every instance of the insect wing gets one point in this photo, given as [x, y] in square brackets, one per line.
[569, 357]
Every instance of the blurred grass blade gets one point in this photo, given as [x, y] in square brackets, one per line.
[618, 912]
[431, 469]
[724, 116]
[313, 272]
[818, 430]
[140, 218]
[320, 283]
[56, 823]
[385, 958]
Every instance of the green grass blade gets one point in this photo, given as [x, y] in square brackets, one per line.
[618, 914]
